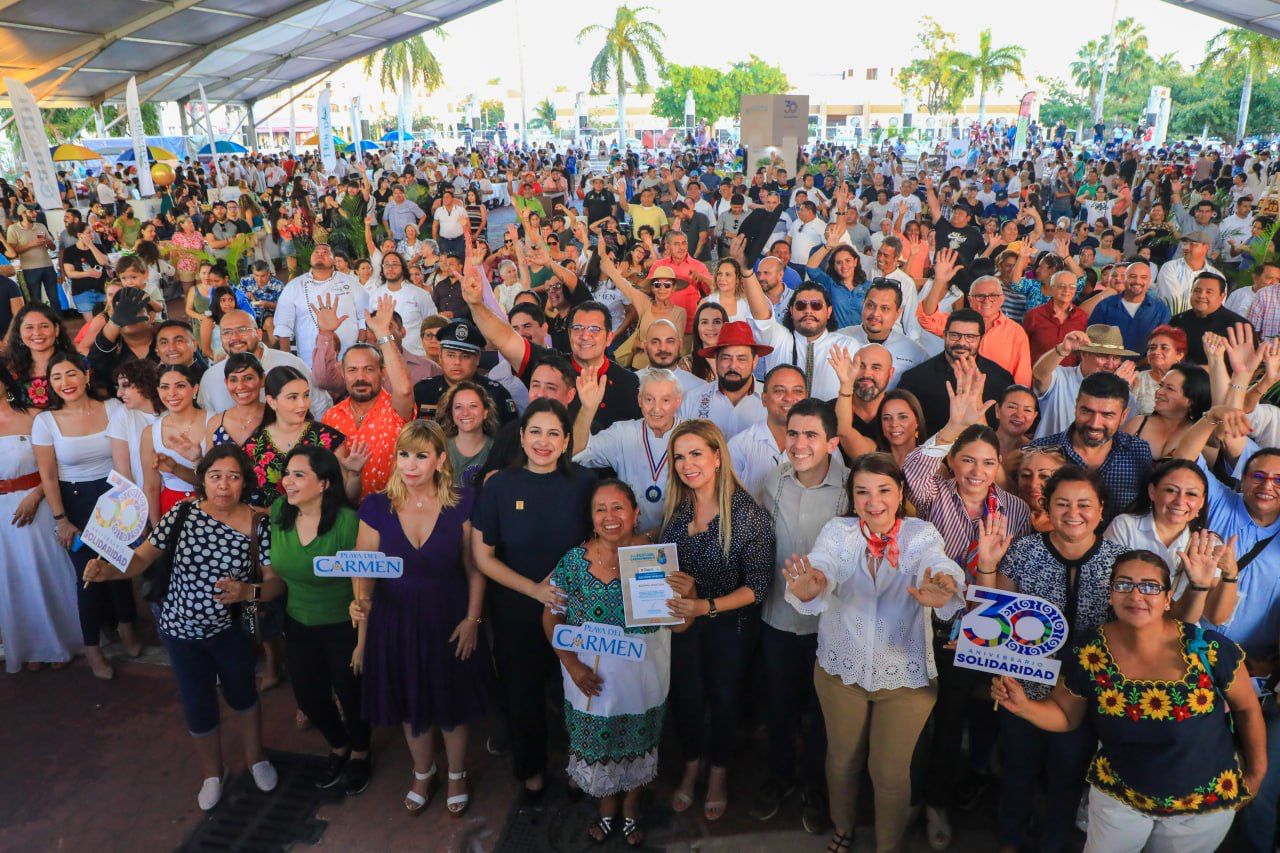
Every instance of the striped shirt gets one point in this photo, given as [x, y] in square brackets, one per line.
[937, 501]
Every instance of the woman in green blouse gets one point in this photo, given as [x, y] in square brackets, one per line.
[314, 519]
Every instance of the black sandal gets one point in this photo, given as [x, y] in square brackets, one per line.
[632, 832]
[605, 825]
[839, 842]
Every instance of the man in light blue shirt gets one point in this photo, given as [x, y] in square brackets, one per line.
[401, 212]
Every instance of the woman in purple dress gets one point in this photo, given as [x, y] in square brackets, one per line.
[419, 643]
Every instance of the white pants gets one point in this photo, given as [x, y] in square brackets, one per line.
[1117, 828]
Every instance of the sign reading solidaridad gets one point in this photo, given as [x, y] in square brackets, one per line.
[1011, 634]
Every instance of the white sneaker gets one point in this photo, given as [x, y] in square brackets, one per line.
[265, 776]
[210, 793]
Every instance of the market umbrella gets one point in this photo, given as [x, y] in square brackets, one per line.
[154, 153]
[314, 139]
[396, 136]
[67, 153]
[365, 145]
[224, 146]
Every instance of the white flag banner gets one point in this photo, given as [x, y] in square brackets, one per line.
[35, 145]
[208, 123]
[146, 188]
[403, 122]
[324, 127]
[355, 128]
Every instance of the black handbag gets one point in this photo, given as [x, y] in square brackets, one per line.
[250, 618]
[155, 580]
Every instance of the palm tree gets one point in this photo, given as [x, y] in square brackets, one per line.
[1242, 50]
[1086, 70]
[544, 115]
[406, 63]
[627, 41]
[990, 65]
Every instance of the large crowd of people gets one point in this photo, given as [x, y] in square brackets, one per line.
[844, 388]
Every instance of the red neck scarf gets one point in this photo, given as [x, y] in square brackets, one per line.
[884, 546]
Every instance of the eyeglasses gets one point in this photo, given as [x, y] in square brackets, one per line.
[578, 329]
[1144, 587]
[1260, 477]
[985, 297]
[967, 337]
[1048, 450]
[431, 336]
[238, 330]
[808, 304]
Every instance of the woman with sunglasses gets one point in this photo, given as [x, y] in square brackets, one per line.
[1167, 701]
[658, 307]
[1067, 566]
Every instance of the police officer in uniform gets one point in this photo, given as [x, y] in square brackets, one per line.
[460, 347]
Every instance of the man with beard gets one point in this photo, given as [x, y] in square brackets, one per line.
[804, 339]
[460, 344]
[635, 449]
[1135, 311]
[733, 402]
[295, 317]
[1100, 349]
[758, 449]
[961, 338]
[413, 304]
[371, 416]
[880, 312]
[1004, 342]
[662, 345]
[864, 378]
[1096, 442]
[241, 334]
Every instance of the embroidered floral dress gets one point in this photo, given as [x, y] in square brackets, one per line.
[35, 393]
[268, 460]
[1165, 747]
[613, 737]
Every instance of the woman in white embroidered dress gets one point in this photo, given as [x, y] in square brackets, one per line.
[874, 577]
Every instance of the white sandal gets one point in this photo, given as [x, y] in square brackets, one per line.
[414, 802]
[457, 806]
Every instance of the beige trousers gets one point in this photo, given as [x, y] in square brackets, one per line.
[880, 728]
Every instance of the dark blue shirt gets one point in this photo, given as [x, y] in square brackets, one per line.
[1124, 472]
[1136, 328]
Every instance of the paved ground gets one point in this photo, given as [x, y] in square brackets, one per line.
[99, 766]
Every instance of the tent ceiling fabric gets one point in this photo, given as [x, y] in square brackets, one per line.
[75, 52]
[1262, 16]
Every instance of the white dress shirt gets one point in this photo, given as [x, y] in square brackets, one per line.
[414, 305]
[1139, 531]
[711, 404]
[295, 318]
[871, 632]
[639, 456]
[1058, 402]
[792, 348]
[906, 352]
[755, 453]
[1173, 283]
[214, 396]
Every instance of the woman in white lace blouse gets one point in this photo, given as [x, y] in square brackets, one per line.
[874, 577]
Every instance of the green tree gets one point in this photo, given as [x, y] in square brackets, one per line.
[1252, 53]
[940, 78]
[491, 112]
[1086, 69]
[716, 94]
[628, 42]
[544, 115]
[753, 77]
[405, 64]
[1059, 102]
[990, 65]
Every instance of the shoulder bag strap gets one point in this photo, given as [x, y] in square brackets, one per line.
[1255, 551]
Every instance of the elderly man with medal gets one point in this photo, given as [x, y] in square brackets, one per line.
[635, 449]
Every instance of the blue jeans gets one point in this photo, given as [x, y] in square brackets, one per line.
[86, 302]
[199, 666]
[48, 278]
[1063, 758]
[452, 245]
[1255, 827]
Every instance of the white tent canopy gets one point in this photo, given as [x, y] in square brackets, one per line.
[83, 52]
[1262, 16]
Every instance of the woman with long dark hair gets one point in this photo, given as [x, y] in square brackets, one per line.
[708, 320]
[171, 448]
[73, 452]
[212, 542]
[527, 517]
[1181, 398]
[36, 333]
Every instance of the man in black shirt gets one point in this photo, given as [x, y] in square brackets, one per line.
[597, 202]
[928, 380]
[590, 329]
[958, 233]
[1206, 314]
[460, 345]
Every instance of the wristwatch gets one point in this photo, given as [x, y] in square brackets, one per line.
[385, 339]
[711, 608]
[257, 592]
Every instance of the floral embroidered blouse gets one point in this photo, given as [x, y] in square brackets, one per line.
[35, 392]
[1165, 747]
[268, 460]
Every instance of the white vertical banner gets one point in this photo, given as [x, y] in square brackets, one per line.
[402, 122]
[146, 188]
[356, 135]
[35, 144]
[293, 126]
[324, 127]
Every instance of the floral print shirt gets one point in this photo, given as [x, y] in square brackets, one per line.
[268, 460]
[1165, 747]
[35, 392]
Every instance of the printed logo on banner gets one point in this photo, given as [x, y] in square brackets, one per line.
[1011, 634]
[358, 564]
[594, 638]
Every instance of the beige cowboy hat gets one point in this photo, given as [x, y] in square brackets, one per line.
[1105, 340]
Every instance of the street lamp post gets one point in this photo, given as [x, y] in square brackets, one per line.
[1106, 65]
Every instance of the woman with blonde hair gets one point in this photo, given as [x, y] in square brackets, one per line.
[423, 656]
[729, 291]
[725, 543]
[470, 420]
